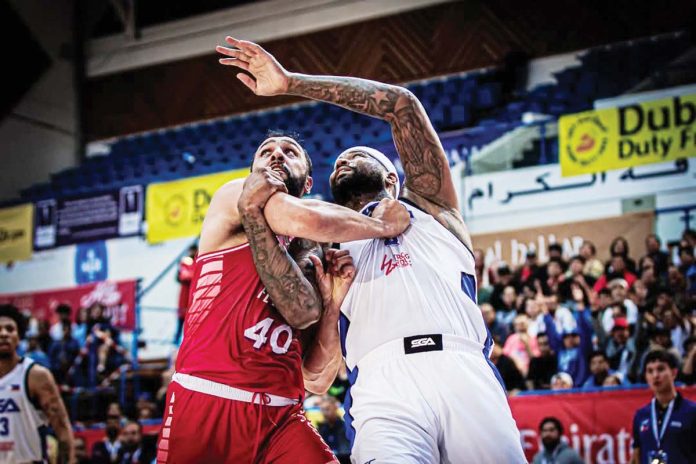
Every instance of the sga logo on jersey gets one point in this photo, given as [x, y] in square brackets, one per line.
[8, 405]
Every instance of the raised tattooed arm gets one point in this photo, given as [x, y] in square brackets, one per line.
[292, 294]
[422, 156]
[43, 388]
[425, 164]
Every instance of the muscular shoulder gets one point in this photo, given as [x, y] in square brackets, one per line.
[450, 218]
[38, 377]
[222, 227]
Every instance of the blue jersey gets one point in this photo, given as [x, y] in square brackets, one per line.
[679, 440]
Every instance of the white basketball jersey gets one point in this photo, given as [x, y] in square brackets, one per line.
[419, 283]
[22, 426]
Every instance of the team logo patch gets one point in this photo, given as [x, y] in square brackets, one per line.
[8, 405]
[398, 260]
[423, 343]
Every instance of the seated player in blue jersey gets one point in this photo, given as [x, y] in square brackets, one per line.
[415, 343]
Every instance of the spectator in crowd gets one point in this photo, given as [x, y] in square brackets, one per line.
[556, 254]
[507, 310]
[332, 429]
[483, 290]
[599, 370]
[686, 259]
[593, 266]
[576, 273]
[616, 269]
[533, 310]
[554, 275]
[81, 455]
[63, 353]
[612, 381]
[543, 367]
[561, 381]
[520, 346]
[679, 327]
[503, 278]
[554, 449]
[621, 348]
[530, 269]
[656, 438]
[184, 276]
[573, 345]
[44, 336]
[653, 250]
[64, 313]
[134, 450]
[512, 378]
[34, 351]
[498, 330]
[106, 450]
[688, 372]
[619, 247]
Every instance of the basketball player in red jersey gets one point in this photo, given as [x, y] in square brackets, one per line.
[237, 391]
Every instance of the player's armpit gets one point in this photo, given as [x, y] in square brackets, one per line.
[43, 388]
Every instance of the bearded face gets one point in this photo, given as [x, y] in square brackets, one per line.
[356, 175]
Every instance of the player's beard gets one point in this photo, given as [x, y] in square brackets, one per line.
[294, 184]
[5, 354]
[357, 184]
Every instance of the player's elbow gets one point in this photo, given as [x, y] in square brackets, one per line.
[302, 319]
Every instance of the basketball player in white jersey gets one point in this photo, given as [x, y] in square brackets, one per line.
[414, 340]
[29, 401]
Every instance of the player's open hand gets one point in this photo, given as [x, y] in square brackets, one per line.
[334, 281]
[259, 186]
[394, 216]
[269, 77]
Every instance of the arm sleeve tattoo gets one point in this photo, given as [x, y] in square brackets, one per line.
[291, 292]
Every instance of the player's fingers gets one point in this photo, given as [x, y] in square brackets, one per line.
[248, 81]
[318, 267]
[234, 62]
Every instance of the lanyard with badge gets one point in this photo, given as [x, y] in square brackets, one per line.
[659, 456]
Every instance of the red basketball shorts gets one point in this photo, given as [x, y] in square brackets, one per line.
[202, 428]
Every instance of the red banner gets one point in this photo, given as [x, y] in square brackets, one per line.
[599, 425]
[117, 297]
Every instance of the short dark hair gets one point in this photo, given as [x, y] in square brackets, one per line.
[556, 247]
[661, 356]
[63, 309]
[291, 135]
[554, 421]
[596, 353]
[8, 310]
[578, 258]
[591, 245]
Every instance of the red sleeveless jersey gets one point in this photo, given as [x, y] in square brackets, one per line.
[233, 334]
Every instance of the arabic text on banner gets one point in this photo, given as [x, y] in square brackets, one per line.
[176, 209]
[630, 135]
[15, 233]
[66, 221]
[598, 425]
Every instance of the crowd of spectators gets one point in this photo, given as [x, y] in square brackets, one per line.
[82, 350]
[584, 323]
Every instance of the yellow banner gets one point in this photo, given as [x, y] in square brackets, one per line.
[626, 136]
[16, 233]
[176, 209]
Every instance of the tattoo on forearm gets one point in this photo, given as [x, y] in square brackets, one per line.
[419, 148]
[292, 294]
